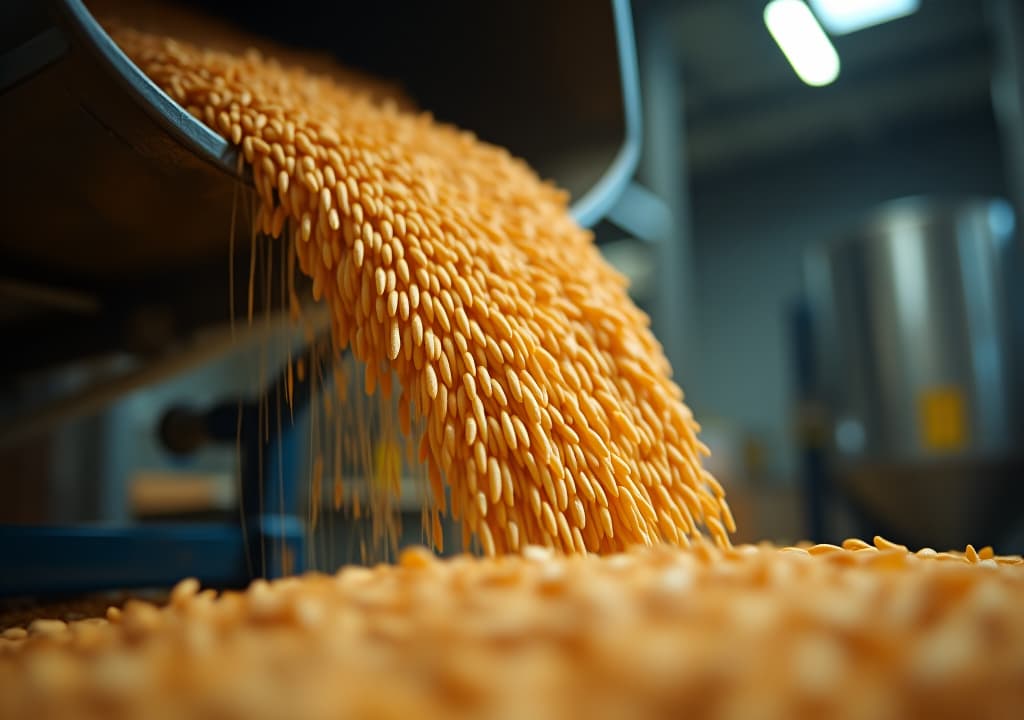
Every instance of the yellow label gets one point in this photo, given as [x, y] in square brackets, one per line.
[388, 466]
[942, 414]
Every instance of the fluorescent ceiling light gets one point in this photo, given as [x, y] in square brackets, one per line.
[846, 16]
[802, 41]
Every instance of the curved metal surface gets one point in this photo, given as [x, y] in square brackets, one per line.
[602, 197]
[172, 117]
[919, 321]
[919, 318]
[195, 136]
[134, 153]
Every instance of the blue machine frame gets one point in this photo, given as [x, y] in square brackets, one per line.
[269, 540]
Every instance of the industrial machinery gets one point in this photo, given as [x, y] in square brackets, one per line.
[107, 289]
[918, 361]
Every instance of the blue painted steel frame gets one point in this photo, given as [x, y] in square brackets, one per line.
[64, 560]
[50, 560]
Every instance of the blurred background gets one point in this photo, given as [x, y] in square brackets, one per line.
[853, 264]
[822, 228]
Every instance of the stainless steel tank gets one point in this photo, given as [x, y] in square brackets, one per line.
[919, 327]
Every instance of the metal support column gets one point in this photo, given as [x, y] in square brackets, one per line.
[663, 171]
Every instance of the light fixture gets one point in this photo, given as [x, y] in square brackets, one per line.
[846, 16]
[802, 41]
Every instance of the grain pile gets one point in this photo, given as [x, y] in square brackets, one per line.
[747, 632]
[547, 402]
